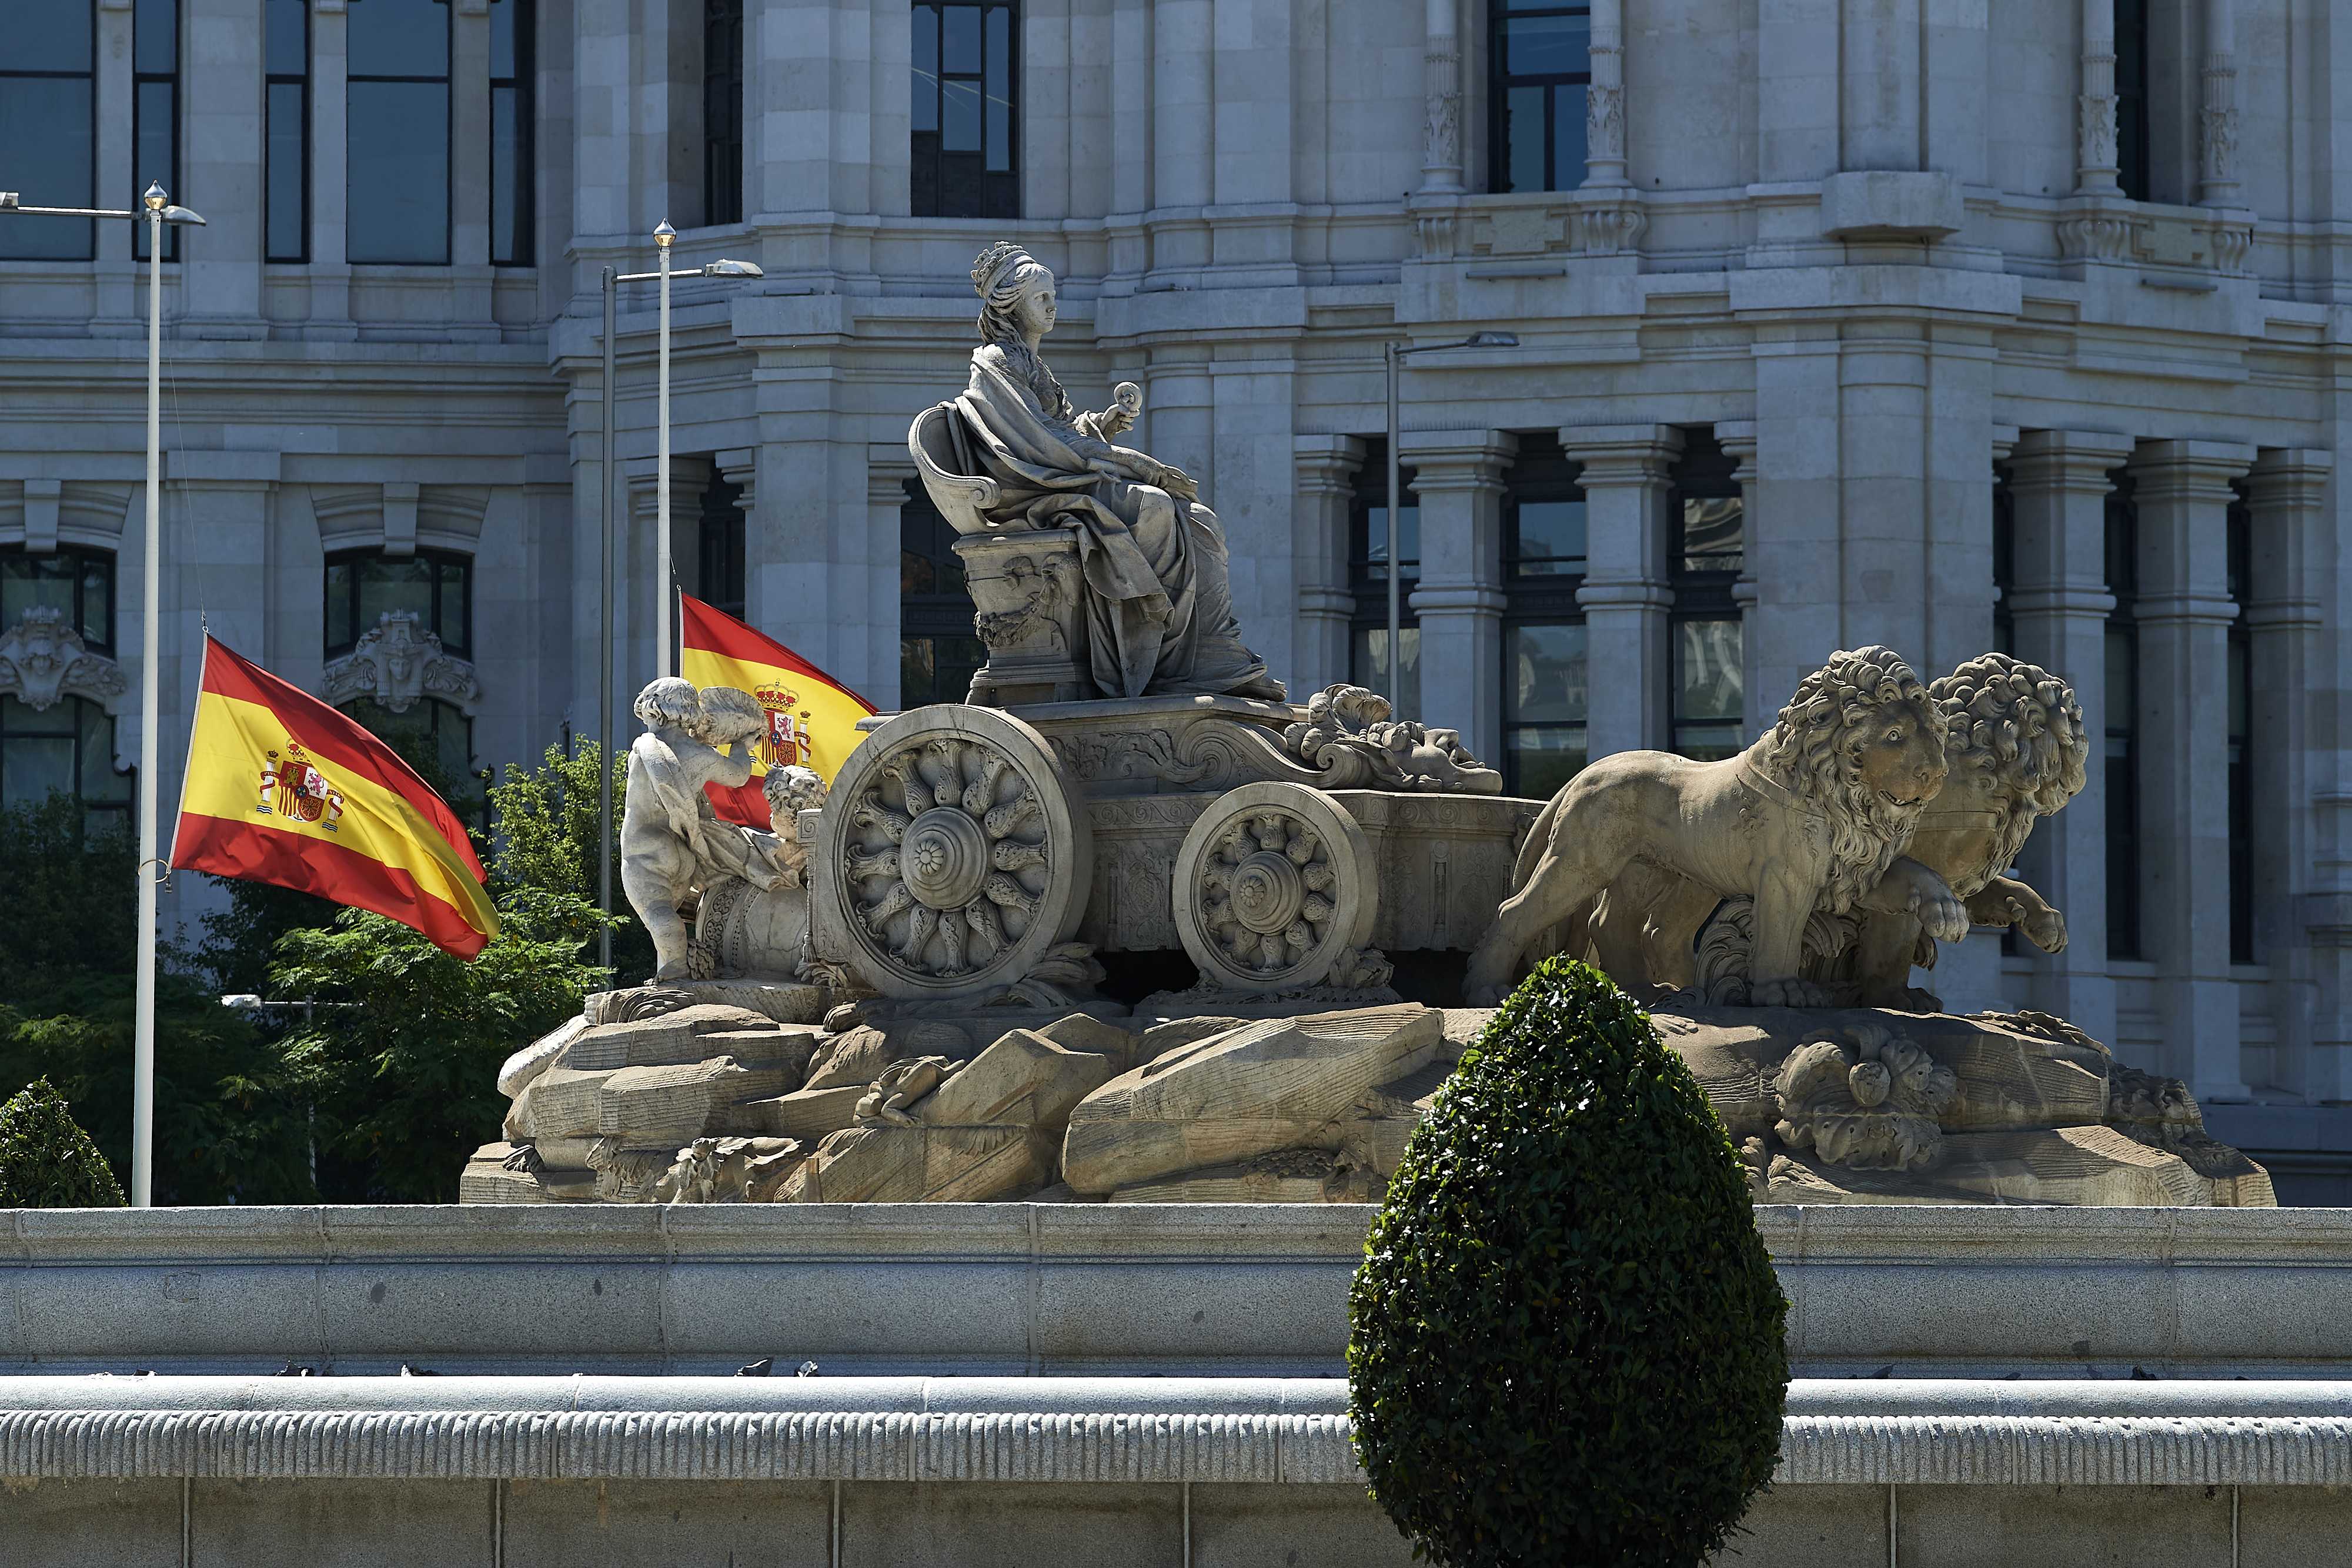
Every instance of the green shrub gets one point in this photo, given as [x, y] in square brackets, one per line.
[48, 1162]
[1565, 1340]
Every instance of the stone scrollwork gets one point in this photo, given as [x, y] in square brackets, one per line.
[42, 661]
[1348, 735]
[1276, 888]
[399, 665]
[956, 857]
[1875, 1106]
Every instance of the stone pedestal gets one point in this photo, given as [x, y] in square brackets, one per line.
[1032, 616]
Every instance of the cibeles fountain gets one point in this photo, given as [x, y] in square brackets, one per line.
[900, 995]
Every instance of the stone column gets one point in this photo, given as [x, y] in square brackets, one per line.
[2095, 132]
[1183, 139]
[2217, 117]
[2060, 604]
[1625, 474]
[1434, 206]
[888, 470]
[331, 278]
[1604, 101]
[1327, 466]
[1459, 601]
[2286, 626]
[1737, 438]
[638, 582]
[2184, 611]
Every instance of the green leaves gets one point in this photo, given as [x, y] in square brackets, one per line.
[48, 1162]
[1565, 1336]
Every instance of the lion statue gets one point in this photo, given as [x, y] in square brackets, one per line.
[1817, 812]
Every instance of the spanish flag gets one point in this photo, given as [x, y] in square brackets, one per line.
[282, 789]
[812, 717]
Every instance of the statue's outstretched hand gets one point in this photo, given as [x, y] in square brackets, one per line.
[1176, 482]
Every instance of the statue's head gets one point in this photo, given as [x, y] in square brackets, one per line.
[1016, 294]
[725, 715]
[667, 702]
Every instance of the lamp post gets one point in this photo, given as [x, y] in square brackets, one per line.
[613, 279]
[156, 212]
[1393, 357]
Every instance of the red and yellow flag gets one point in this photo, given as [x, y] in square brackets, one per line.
[282, 789]
[812, 717]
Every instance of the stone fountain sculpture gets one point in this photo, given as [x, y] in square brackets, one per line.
[896, 994]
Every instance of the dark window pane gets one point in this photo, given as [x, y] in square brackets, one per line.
[960, 658]
[960, 116]
[1547, 46]
[31, 766]
[959, 50]
[1523, 138]
[45, 35]
[388, 586]
[1376, 541]
[152, 159]
[399, 38]
[510, 223]
[926, 90]
[96, 624]
[1706, 742]
[1369, 664]
[1547, 538]
[339, 634]
[1539, 762]
[1708, 671]
[723, 111]
[502, 36]
[46, 144]
[26, 581]
[1000, 90]
[1545, 679]
[287, 221]
[2123, 700]
[451, 625]
[155, 37]
[918, 671]
[1714, 533]
[100, 781]
[916, 573]
[399, 171]
[287, 46]
[1568, 137]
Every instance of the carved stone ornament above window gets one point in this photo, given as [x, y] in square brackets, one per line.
[42, 661]
[399, 665]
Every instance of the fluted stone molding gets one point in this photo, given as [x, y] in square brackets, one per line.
[1326, 466]
[2217, 115]
[1604, 99]
[2058, 604]
[1458, 484]
[2184, 611]
[2286, 494]
[1626, 472]
[1441, 133]
[2095, 150]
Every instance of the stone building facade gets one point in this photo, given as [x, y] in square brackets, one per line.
[2011, 323]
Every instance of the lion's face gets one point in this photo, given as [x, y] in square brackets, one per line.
[1896, 759]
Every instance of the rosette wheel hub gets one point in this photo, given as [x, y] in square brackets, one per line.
[1274, 885]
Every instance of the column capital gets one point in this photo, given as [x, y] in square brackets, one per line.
[1456, 459]
[2190, 470]
[1737, 438]
[2064, 599]
[1622, 454]
[2076, 460]
[1327, 465]
[2291, 475]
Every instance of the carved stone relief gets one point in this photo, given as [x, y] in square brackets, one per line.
[42, 661]
[399, 665]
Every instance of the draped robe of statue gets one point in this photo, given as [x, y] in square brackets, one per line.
[1160, 611]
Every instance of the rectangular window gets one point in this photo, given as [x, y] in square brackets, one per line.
[48, 126]
[435, 588]
[1540, 64]
[2240, 696]
[398, 164]
[78, 584]
[938, 653]
[1546, 698]
[963, 156]
[1368, 581]
[723, 111]
[2131, 98]
[512, 114]
[156, 111]
[1706, 702]
[719, 582]
[286, 194]
[2122, 774]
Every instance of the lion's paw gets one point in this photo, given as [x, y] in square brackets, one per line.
[2046, 931]
[1943, 916]
[1789, 993]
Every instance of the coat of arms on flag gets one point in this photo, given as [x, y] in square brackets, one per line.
[812, 717]
[293, 786]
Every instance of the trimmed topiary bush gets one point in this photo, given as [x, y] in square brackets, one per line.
[46, 1160]
[1565, 1340]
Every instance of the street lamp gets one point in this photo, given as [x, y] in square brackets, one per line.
[1394, 358]
[613, 280]
[157, 212]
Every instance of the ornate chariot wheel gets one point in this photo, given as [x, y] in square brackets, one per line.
[1275, 885]
[953, 855]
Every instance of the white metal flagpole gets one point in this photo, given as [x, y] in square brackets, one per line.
[143, 1087]
[662, 572]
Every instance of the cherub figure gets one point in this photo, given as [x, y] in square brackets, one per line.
[664, 841]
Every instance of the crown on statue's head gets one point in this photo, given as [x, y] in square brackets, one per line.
[995, 264]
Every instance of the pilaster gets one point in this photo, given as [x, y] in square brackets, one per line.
[331, 278]
[469, 174]
[688, 475]
[1604, 101]
[1459, 604]
[2184, 611]
[2217, 114]
[221, 164]
[1326, 467]
[1626, 471]
[119, 311]
[2059, 603]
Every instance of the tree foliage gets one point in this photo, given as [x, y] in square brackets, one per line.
[549, 839]
[1566, 1338]
[48, 1162]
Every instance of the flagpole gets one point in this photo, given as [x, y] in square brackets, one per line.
[142, 1080]
[605, 657]
[663, 659]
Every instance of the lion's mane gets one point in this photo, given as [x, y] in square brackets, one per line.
[1815, 752]
[2019, 720]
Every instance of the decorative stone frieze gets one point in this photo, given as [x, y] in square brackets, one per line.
[399, 665]
[42, 661]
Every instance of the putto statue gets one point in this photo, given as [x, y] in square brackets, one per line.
[1010, 456]
[1815, 815]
